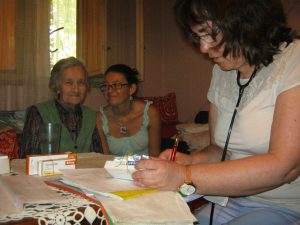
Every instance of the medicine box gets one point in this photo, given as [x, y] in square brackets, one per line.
[32, 161]
[53, 167]
[4, 164]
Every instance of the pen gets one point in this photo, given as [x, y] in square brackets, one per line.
[173, 154]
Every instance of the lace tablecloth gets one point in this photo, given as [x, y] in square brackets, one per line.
[77, 210]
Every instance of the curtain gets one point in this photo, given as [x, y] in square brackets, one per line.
[24, 81]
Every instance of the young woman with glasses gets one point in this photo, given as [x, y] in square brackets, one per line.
[254, 116]
[127, 126]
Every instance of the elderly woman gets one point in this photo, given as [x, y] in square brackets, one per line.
[254, 116]
[69, 82]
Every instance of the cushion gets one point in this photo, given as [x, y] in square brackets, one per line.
[167, 107]
[9, 143]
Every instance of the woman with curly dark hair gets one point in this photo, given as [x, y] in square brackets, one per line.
[254, 116]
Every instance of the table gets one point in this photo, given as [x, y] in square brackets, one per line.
[80, 210]
[85, 209]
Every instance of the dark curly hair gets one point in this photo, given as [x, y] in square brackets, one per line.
[253, 28]
[130, 74]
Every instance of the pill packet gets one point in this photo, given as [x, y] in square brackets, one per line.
[130, 159]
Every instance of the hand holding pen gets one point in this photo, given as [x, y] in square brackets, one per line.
[174, 150]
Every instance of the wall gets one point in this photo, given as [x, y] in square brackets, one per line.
[172, 64]
[169, 60]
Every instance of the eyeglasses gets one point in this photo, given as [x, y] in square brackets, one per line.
[115, 86]
[207, 38]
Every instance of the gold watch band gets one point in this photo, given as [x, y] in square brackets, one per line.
[188, 178]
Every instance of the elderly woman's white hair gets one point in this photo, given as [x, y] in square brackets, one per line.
[58, 70]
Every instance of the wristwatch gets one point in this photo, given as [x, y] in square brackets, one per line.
[187, 188]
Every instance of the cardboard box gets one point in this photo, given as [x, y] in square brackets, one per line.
[53, 167]
[4, 164]
[32, 161]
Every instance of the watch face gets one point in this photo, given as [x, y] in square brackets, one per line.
[187, 189]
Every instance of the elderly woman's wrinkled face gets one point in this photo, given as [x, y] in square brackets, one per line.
[204, 32]
[72, 86]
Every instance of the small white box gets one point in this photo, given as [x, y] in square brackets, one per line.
[119, 170]
[53, 167]
[4, 164]
[123, 166]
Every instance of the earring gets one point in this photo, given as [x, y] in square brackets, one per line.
[130, 98]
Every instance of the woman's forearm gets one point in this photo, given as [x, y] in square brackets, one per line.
[211, 153]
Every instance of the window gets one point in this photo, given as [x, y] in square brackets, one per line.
[62, 30]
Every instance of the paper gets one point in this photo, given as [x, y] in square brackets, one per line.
[12, 204]
[162, 207]
[155, 207]
[19, 190]
[97, 180]
[220, 200]
[192, 197]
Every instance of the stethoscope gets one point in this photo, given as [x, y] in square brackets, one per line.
[241, 91]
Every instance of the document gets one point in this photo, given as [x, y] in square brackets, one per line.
[155, 207]
[15, 191]
[162, 207]
[98, 181]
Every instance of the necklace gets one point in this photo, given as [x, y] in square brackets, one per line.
[127, 117]
[123, 129]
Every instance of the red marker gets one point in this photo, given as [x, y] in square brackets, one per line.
[173, 154]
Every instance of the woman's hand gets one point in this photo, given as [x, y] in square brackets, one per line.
[157, 173]
[181, 158]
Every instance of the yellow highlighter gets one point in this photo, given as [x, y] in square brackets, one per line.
[133, 193]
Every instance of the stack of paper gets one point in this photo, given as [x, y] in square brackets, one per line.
[155, 207]
[99, 181]
[162, 207]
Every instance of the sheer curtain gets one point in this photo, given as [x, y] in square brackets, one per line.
[25, 81]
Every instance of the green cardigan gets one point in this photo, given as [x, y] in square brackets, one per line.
[50, 114]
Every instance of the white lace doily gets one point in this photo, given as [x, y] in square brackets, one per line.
[76, 211]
